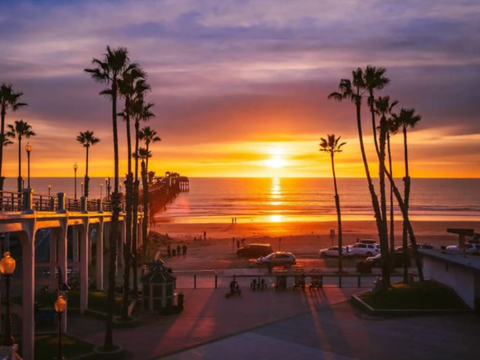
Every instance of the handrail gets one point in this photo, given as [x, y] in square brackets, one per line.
[15, 202]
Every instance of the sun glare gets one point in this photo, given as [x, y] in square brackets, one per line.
[275, 162]
[277, 159]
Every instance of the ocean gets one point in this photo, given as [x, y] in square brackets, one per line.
[218, 200]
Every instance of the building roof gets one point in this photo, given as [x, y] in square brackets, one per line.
[465, 260]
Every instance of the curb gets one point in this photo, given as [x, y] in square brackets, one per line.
[363, 306]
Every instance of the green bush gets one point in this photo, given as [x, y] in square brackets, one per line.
[426, 295]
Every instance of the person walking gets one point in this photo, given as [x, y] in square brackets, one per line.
[204, 236]
[184, 248]
[169, 251]
[178, 249]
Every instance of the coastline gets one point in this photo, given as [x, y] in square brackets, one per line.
[425, 231]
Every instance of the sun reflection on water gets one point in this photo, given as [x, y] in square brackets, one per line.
[275, 197]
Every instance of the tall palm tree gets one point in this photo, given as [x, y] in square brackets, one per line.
[384, 108]
[87, 139]
[353, 90]
[109, 70]
[128, 89]
[374, 79]
[144, 155]
[9, 99]
[149, 136]
[20, 129]
[405, 120]
[332, 146]
[140, 111]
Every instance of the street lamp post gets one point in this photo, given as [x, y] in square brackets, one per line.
[60, 307]
[106, 188]
[101, 191]
[7, 267]
[28, 148]
[75, 168]
[81, 185]
[49, 188]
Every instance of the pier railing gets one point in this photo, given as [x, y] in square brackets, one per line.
[28, 202]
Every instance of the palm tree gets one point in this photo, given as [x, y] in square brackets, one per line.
[149, 136]
[87, 139]
[374, 79]
[332, 146]
[109, 70]
[406, 119]
[128, 88]
[384, 108]
[353, 90]
[8, 100]
[20, 129]
[140, 111]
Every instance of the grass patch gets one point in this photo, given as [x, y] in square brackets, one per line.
[427, 295]
[46, 346]
[97, 300]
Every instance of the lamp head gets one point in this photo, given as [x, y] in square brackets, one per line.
[75, 166]
[28, 147]
[7, 264]
[60, 304]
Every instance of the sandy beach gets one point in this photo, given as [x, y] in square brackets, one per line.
[303, 239]
[425, 231]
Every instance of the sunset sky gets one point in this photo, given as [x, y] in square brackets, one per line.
[241, 87]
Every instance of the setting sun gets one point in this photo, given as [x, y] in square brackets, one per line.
[275, 162]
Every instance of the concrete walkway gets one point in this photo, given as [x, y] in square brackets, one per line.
[288, 325]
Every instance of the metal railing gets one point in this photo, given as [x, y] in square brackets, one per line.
[212, 280]
[28, 202]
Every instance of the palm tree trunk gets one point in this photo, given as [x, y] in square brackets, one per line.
[114, 233]
[135, 214]
[87, 179]
[376, 207]
[392, 219]
[128, 242]
[145, 209]
[406, 180]
[128, 200]
[385, 259]
[2, 132]
[408, 224]
[371, 99]
[19, 179]
[339, 219]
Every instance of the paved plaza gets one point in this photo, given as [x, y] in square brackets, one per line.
[288, 325]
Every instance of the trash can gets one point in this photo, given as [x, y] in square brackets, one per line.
[411, 277]
[180, 301]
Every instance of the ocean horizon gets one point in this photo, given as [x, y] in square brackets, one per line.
[287, 199]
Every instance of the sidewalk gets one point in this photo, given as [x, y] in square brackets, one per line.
[209, 316]
[288, 325]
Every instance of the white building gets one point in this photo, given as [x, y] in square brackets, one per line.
[459, 271]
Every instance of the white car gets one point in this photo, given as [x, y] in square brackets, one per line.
[361, 249]
[469, 249]
[279, 258]
[333, 251]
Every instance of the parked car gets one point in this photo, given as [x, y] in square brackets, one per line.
[469, 249]
[279, 258]
[398, 259]
[255, 250]
[423, 246]
[367, 241]
[333, 252]
[361, 249]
